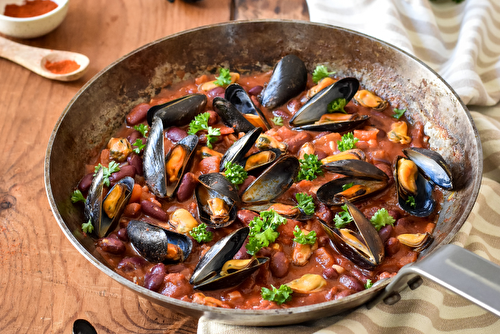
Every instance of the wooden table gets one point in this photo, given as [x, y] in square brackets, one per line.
[45, 284]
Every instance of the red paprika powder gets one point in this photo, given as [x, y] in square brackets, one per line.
[30, 8]
[62, 66]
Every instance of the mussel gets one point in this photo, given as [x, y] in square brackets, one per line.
[417, 241]
[289, 211]
[216, 268]
[308, 283]
[311, 116]
[240, 148]
[231, 116]
[289, 79]
[216, 198]
[105, 213]
[362, 246]
[370, 100]
[178, 112]
[432, 164]
[241, 100]
[256, 162]
[157, 244]
[164, 174]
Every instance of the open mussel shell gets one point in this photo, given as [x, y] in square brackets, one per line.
[231, 116]
[289, 79]
[356, 168]
[240, 148]
[422, 204]
[364, 246]
[333, 193]
[257, 162]
[215, 186]
[241, 100]
[432, 164]
[318, 106]
[157, 167]
[178, 112]
[290, 211]
[157, 244]
[273, 182]
[104, 211]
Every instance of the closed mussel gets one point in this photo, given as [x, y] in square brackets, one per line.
[217, 269]
[241, 100]
[178, 112]
[157, 244]
[216, 198]
[105, 213]
[231, 116]
[362, 246]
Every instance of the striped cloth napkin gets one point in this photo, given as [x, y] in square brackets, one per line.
[462, 43]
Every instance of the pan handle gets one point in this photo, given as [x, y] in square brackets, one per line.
[456, 269]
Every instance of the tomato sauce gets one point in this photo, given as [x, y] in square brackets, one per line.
[342, 276]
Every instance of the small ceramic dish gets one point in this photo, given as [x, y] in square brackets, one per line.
[31, 27]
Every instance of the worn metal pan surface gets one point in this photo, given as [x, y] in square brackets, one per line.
[99, 109]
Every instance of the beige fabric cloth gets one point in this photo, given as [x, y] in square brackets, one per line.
[462, 43]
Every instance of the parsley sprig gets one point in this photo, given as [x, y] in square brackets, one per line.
[236, 174]
[411, 201]
[337, 105]
[320, 72]
[88, 227]
[200, 122]
[347, 142]
[77, 196]
[310, 168]
[347, 186]
[139, 146]
[263, 230]
[278, 120]
[302, 238]
[224, 78]
[305, 203]
[368, 284]
[382, 218]
[279, 296]
[200, 233]
[398, 113]
[212, 135]
[107, 171]
[342, 218]
[143, 129]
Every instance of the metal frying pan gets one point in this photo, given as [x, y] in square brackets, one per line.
[99, 108]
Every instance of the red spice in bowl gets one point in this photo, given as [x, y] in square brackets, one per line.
[30, 8]
[62, 66]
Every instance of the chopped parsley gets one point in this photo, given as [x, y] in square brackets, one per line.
[382, 218]
[302, 238]
[77, 196]
[279, 296]
[305, 203]
[368, 284]
[212, 135]
[347, 186]
[88, 227]
[263, 230]
[337, 105]
[235, 173]
[398, 113]
[278, 120]
[200, 233]
[139, 146]
[347, 142]
[224, 78]
[107, 171]
[310, 168]
[411, 201]
[143, 129]
[342, 218]
[320, 72]
[200, 122]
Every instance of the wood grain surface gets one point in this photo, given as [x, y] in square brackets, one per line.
[45, 284]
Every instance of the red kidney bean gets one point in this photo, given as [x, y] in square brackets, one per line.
[359, 275]
[395, 214]
[176, 286]
[351, 283]
[111, 245]
[124, 171]
[138, 114]
[214, 117]
[153, 210]
[343, 294]
[392, 246]
[330, 273]
[85, 182]
[331, 294]
[134, 160]
[153, 282]
[159, 269]
[265, 251]
[245, 184]
[281, 113]
[385, 233]
[321, 154]
[214, 92]
[246, 216]
[387, 170]
[242, 252]
[122, 234]
[134, 136]
[323, 212]
[129, 264]
[293, 106]
[297, 141]
[186, 187]
[175, 134]
[279, 264]
[323, 241]
[255, 90]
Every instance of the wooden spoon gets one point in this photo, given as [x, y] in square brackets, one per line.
[35, 59]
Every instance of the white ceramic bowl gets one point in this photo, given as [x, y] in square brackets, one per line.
[31, 27]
